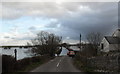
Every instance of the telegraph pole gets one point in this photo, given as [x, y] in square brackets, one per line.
[80, 41]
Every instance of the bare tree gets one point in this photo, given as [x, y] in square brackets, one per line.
[94, 39]
[46, 44]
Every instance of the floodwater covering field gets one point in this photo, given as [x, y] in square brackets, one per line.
[21, 52]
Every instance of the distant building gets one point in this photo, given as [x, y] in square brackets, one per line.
[111, 43]
[116, 33]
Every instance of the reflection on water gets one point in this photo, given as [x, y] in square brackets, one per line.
[21, 52]
[64, 51]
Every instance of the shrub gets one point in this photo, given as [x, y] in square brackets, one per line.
[8, 63]
[23, 63]
[36, 59]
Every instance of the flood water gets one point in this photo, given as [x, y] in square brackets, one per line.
[21, 52]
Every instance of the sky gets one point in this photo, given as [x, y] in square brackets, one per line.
[21, 20]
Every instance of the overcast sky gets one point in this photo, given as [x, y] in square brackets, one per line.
[22, 20]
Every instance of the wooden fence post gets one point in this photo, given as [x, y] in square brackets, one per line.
[15, 51]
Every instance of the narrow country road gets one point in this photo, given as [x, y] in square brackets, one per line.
[59, 64]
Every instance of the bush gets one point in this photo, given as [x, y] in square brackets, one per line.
[36, 59]
[21, 64]
[81, 62]
[8, 63]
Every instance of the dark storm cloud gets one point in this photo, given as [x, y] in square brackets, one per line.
[103, 18]
[52, 24]
[119, 14]
[73, 17]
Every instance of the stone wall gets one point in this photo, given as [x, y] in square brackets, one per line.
[105, 63]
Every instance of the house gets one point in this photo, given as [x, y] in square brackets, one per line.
[111, 43]
[116, 33]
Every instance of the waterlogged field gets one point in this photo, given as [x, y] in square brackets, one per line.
[21, 52]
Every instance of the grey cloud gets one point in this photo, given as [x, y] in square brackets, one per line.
[32, 28]
[53, 24]
[6, 37]
[97, 16]
[12, 38]
[105, 20]
[25, 38]
[19, 9]
[119, 14]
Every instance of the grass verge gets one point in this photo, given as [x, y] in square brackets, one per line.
[81, 66]
[31, 67]
[34, 65]
[10, 66]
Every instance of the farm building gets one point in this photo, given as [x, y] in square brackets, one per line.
[111, 43]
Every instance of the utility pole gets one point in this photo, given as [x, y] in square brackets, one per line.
[80, 41]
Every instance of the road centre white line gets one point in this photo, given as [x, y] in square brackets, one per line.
[58, 63]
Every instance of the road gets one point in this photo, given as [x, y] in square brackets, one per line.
[59, 64]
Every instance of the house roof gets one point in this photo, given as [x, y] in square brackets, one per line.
[113, 40]
[118, 29]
